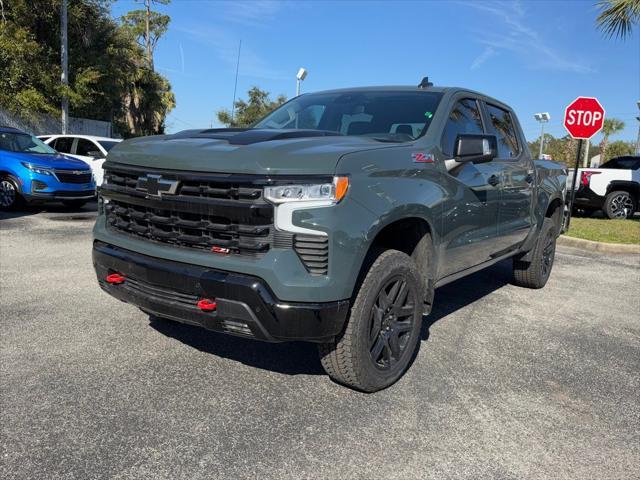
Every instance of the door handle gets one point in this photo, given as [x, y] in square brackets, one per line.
[494, 180]
[529, 178]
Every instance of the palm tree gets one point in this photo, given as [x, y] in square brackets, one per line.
[611, 126]
[617, 17]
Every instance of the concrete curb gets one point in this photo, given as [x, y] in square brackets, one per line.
[598, 246]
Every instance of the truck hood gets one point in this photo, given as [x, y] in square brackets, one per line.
[255, 151]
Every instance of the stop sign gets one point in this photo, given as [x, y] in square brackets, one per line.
[583, 118]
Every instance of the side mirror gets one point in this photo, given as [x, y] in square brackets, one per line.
[96, 154]
[476, 148]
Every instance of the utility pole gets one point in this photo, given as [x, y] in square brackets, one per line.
[64, 54]
[147, 36]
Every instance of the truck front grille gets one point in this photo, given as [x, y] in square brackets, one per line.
[221, 213]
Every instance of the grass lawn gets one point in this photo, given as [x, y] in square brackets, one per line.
[604, 230]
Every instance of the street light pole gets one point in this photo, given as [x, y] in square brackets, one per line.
[64, 53]
[302, 74]
[543, 118]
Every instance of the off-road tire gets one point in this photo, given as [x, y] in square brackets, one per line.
[619, 205]
[534, 274]
[347, 359]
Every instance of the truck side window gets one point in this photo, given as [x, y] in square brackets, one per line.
[502, 123]
[464, 118]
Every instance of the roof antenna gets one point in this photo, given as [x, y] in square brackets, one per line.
[425, 83]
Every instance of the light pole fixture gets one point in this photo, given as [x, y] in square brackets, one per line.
[543, 118]
[302, 74]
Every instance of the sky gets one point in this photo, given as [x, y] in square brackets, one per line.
[535, 55]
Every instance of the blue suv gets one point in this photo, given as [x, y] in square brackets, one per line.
[33, 172]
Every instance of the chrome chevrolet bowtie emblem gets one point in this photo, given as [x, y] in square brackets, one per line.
[156, 186]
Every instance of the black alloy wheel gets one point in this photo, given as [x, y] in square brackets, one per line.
[391, 323]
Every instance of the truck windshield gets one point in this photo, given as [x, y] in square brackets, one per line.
[21, 142]
[382, 115]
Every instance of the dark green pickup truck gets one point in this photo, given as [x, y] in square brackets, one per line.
[332, 220]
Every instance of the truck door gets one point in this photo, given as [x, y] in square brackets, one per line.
[518, 175]
[470, 210]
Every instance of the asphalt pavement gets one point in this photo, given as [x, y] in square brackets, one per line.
[509, 383]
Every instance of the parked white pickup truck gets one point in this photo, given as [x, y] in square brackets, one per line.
[613, 187]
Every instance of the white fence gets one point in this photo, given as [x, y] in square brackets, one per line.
[45, 124]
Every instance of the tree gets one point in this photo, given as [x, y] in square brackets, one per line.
[611, 126]
[147, 26]
[617, 17]
[247, 113]
[108, 79]
[619, 148]
[552, 146]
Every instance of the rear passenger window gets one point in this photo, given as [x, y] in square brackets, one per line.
[502, 124]
[464, 118]
[84, 147]
[63, 145]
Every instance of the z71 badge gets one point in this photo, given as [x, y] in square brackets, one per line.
[421, 157]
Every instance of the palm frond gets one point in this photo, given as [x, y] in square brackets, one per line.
[617, 17]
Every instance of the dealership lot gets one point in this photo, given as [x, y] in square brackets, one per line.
[508, 382]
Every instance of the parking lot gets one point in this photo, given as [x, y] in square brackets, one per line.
[508, 382]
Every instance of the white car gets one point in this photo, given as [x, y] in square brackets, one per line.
[613, 187]
[88, 148]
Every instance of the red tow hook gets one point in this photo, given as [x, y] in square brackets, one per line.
[115, 279]
[207, 305]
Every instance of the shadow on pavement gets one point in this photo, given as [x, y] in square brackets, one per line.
[46, 208]
[463, 292]
[291, 358]
[294, 358]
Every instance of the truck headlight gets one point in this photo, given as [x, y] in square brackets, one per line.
[289, 198]
[37, 169]
[333, 192]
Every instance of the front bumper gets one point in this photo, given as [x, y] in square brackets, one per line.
[37, 187]
[245, 304]
[60, 195]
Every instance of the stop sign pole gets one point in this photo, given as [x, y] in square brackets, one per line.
[583, 118]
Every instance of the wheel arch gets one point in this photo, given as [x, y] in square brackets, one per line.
[4, 172]
[624, 185]
[410, 234]
[554, 211]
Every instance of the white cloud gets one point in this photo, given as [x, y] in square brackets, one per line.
[486, 54]
[225, 47]
[516, 37]
[254, 13]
